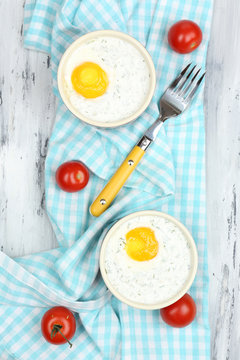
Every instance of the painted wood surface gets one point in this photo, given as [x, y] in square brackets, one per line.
[27, 108]
[222, 107]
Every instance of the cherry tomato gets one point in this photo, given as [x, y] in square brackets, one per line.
[181, 313]
[72, 176]
[58, 325]
[184, 36]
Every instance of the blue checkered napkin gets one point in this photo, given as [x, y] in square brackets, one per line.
[170, 178]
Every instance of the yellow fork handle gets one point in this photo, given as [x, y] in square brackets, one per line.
[117, 181]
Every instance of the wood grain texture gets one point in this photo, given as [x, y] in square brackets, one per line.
[27, 109]
[222, 105]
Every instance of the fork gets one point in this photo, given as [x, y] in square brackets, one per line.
[173, 102]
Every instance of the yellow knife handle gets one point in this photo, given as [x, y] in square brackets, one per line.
[117, 181]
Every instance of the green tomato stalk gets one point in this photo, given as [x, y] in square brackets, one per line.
[57, 329]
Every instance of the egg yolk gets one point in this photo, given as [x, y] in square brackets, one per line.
[89, 80]
[141, 244]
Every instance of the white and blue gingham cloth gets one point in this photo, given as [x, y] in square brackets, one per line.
[170, 178]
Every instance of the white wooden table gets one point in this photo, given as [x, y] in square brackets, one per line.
[27, 109]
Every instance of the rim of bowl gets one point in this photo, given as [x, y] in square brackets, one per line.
[187, 284]
[117, 34]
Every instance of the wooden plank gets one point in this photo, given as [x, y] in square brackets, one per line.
[26, 116]
[223, 179]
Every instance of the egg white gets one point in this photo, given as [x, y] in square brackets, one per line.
[153, 280]
[128, 75]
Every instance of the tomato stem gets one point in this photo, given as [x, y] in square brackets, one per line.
[70, 344]
[57, 328]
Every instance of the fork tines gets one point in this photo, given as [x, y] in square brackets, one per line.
[186, 84]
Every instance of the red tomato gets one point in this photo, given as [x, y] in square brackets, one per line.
[72, 176]
[58, 325]
[181, 313]
[184, 36]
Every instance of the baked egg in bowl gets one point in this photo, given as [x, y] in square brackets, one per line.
[148, 260]
[106, 78]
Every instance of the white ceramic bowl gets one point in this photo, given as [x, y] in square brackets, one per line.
[119, 35]
[187, 284]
